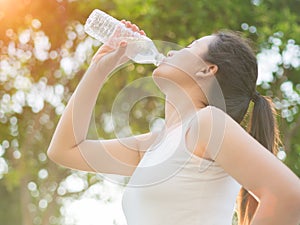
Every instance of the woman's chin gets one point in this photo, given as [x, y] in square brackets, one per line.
[162, 70]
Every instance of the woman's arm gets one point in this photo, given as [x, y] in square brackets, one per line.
[69, 146]
[272, 183]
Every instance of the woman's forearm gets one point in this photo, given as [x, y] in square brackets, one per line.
[84, 99]
[74, 123]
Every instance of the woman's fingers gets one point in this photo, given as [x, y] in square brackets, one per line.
[123, 43]
[104, 49]
[142, 32]
[119, 52]
[133, 27]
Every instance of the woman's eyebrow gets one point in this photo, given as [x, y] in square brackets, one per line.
[193, 42]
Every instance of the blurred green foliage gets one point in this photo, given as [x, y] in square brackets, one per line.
[35, 85]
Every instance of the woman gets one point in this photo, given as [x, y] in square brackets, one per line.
[191, 172]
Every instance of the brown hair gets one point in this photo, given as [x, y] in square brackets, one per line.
[237, 75]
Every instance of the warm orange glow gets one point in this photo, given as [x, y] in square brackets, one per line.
[6, 6]
[4, 2]
[15, 1]
[12, 6]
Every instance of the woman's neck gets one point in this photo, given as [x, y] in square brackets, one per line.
[178, 110]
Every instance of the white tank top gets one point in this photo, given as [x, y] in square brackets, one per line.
[172, 186]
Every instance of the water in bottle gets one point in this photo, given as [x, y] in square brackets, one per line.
[111, 31]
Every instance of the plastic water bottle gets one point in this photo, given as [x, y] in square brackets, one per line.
[111, 31]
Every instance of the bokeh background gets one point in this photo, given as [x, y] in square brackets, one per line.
[45, 52]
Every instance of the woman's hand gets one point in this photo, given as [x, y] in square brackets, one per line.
[105, 48]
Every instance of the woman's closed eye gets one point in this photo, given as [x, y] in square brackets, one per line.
[171, 53]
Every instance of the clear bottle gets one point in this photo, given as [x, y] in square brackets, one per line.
[111, 31]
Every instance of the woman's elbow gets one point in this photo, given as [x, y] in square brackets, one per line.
[57, 157]
[56, 151]
[53, 155]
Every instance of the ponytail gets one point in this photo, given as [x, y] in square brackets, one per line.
[237, 75]
[263, 128]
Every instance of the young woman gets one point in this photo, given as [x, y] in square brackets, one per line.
[192, 171]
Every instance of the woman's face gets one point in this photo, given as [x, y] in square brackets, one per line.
[181, 67]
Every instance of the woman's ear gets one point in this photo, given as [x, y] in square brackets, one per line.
[208, 71]
[213, 69]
